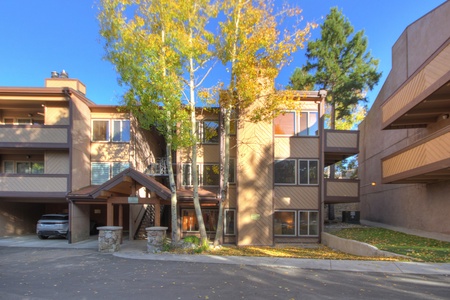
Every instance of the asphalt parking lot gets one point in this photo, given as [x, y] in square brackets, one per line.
[84, 273]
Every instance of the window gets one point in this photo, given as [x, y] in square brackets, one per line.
[309, 223]
[208, 174]
[100, 130]
[8, 166]
[24, 121]
[309, 124]
[189, 220]
[104, 171]
[8, 121]
[232, 175]
[230, 222]
[208, 131]
[118, 167]
[284, 171]
[284, 124]
[99, 173]
[119, 131]
[294, 123]
[30, 167]
[308, 171]
[284, 223]
[187, 174]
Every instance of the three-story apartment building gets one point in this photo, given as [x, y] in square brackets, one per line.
[60, 152]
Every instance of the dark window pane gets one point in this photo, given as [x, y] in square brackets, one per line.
[303, 172]
[100, 130]
[313, 171]
[211, 175]
[210, 131]
[232, 171]
[303, 223]
[230, 222]
[284, 171]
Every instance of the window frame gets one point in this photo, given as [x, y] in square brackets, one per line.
[110, 135]
[226, 222]
[5, 168]
[295, 171]
[308, 126]
[309, 225]
[201, 136]
[202, 173]
[192, 214]
[295, 213]
[123, 139]
[186, 179]
[308, 172]
[297, 126]
[108, 130]
[111, 169]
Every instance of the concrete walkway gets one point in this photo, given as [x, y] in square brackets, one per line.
[138, 250]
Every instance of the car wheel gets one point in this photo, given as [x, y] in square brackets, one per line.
[43, 237]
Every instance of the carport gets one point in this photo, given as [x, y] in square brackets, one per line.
[128, 192]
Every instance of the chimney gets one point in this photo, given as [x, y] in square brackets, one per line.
[62, 80]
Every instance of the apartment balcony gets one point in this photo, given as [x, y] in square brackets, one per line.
[423, 99]
[341, 191]
[34, 136]
[34, 185]
[425, 161]
[157, 168]
[340, 144]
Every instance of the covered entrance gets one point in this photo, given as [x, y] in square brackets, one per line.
[124, 200]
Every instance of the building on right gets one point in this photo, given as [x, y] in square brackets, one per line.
[404, 158]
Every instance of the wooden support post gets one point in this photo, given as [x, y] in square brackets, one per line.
[109, 214]
[120, 215]
[157, 214]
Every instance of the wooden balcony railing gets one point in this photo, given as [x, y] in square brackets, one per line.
[340, 144]
[33, 185]
[426, 161]
[341, 191]
[34, 136]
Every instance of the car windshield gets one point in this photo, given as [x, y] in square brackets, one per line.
[54, 217]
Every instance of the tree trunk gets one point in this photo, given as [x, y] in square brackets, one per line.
[173, 196]
[224, 170]
[196, 200]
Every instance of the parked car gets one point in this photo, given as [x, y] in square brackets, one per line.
[52, 225]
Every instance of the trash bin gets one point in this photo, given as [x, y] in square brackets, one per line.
[350, 217]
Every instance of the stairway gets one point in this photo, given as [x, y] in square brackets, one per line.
[148, 220]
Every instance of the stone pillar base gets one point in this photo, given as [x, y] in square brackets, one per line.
[155, 238]
[109, 238]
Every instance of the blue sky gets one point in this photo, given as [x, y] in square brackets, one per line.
[38, 37]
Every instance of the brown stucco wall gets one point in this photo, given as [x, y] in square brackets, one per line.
[416, 206]
[80, 151]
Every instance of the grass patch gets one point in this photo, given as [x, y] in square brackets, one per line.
[318, 252]
[415, 247]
